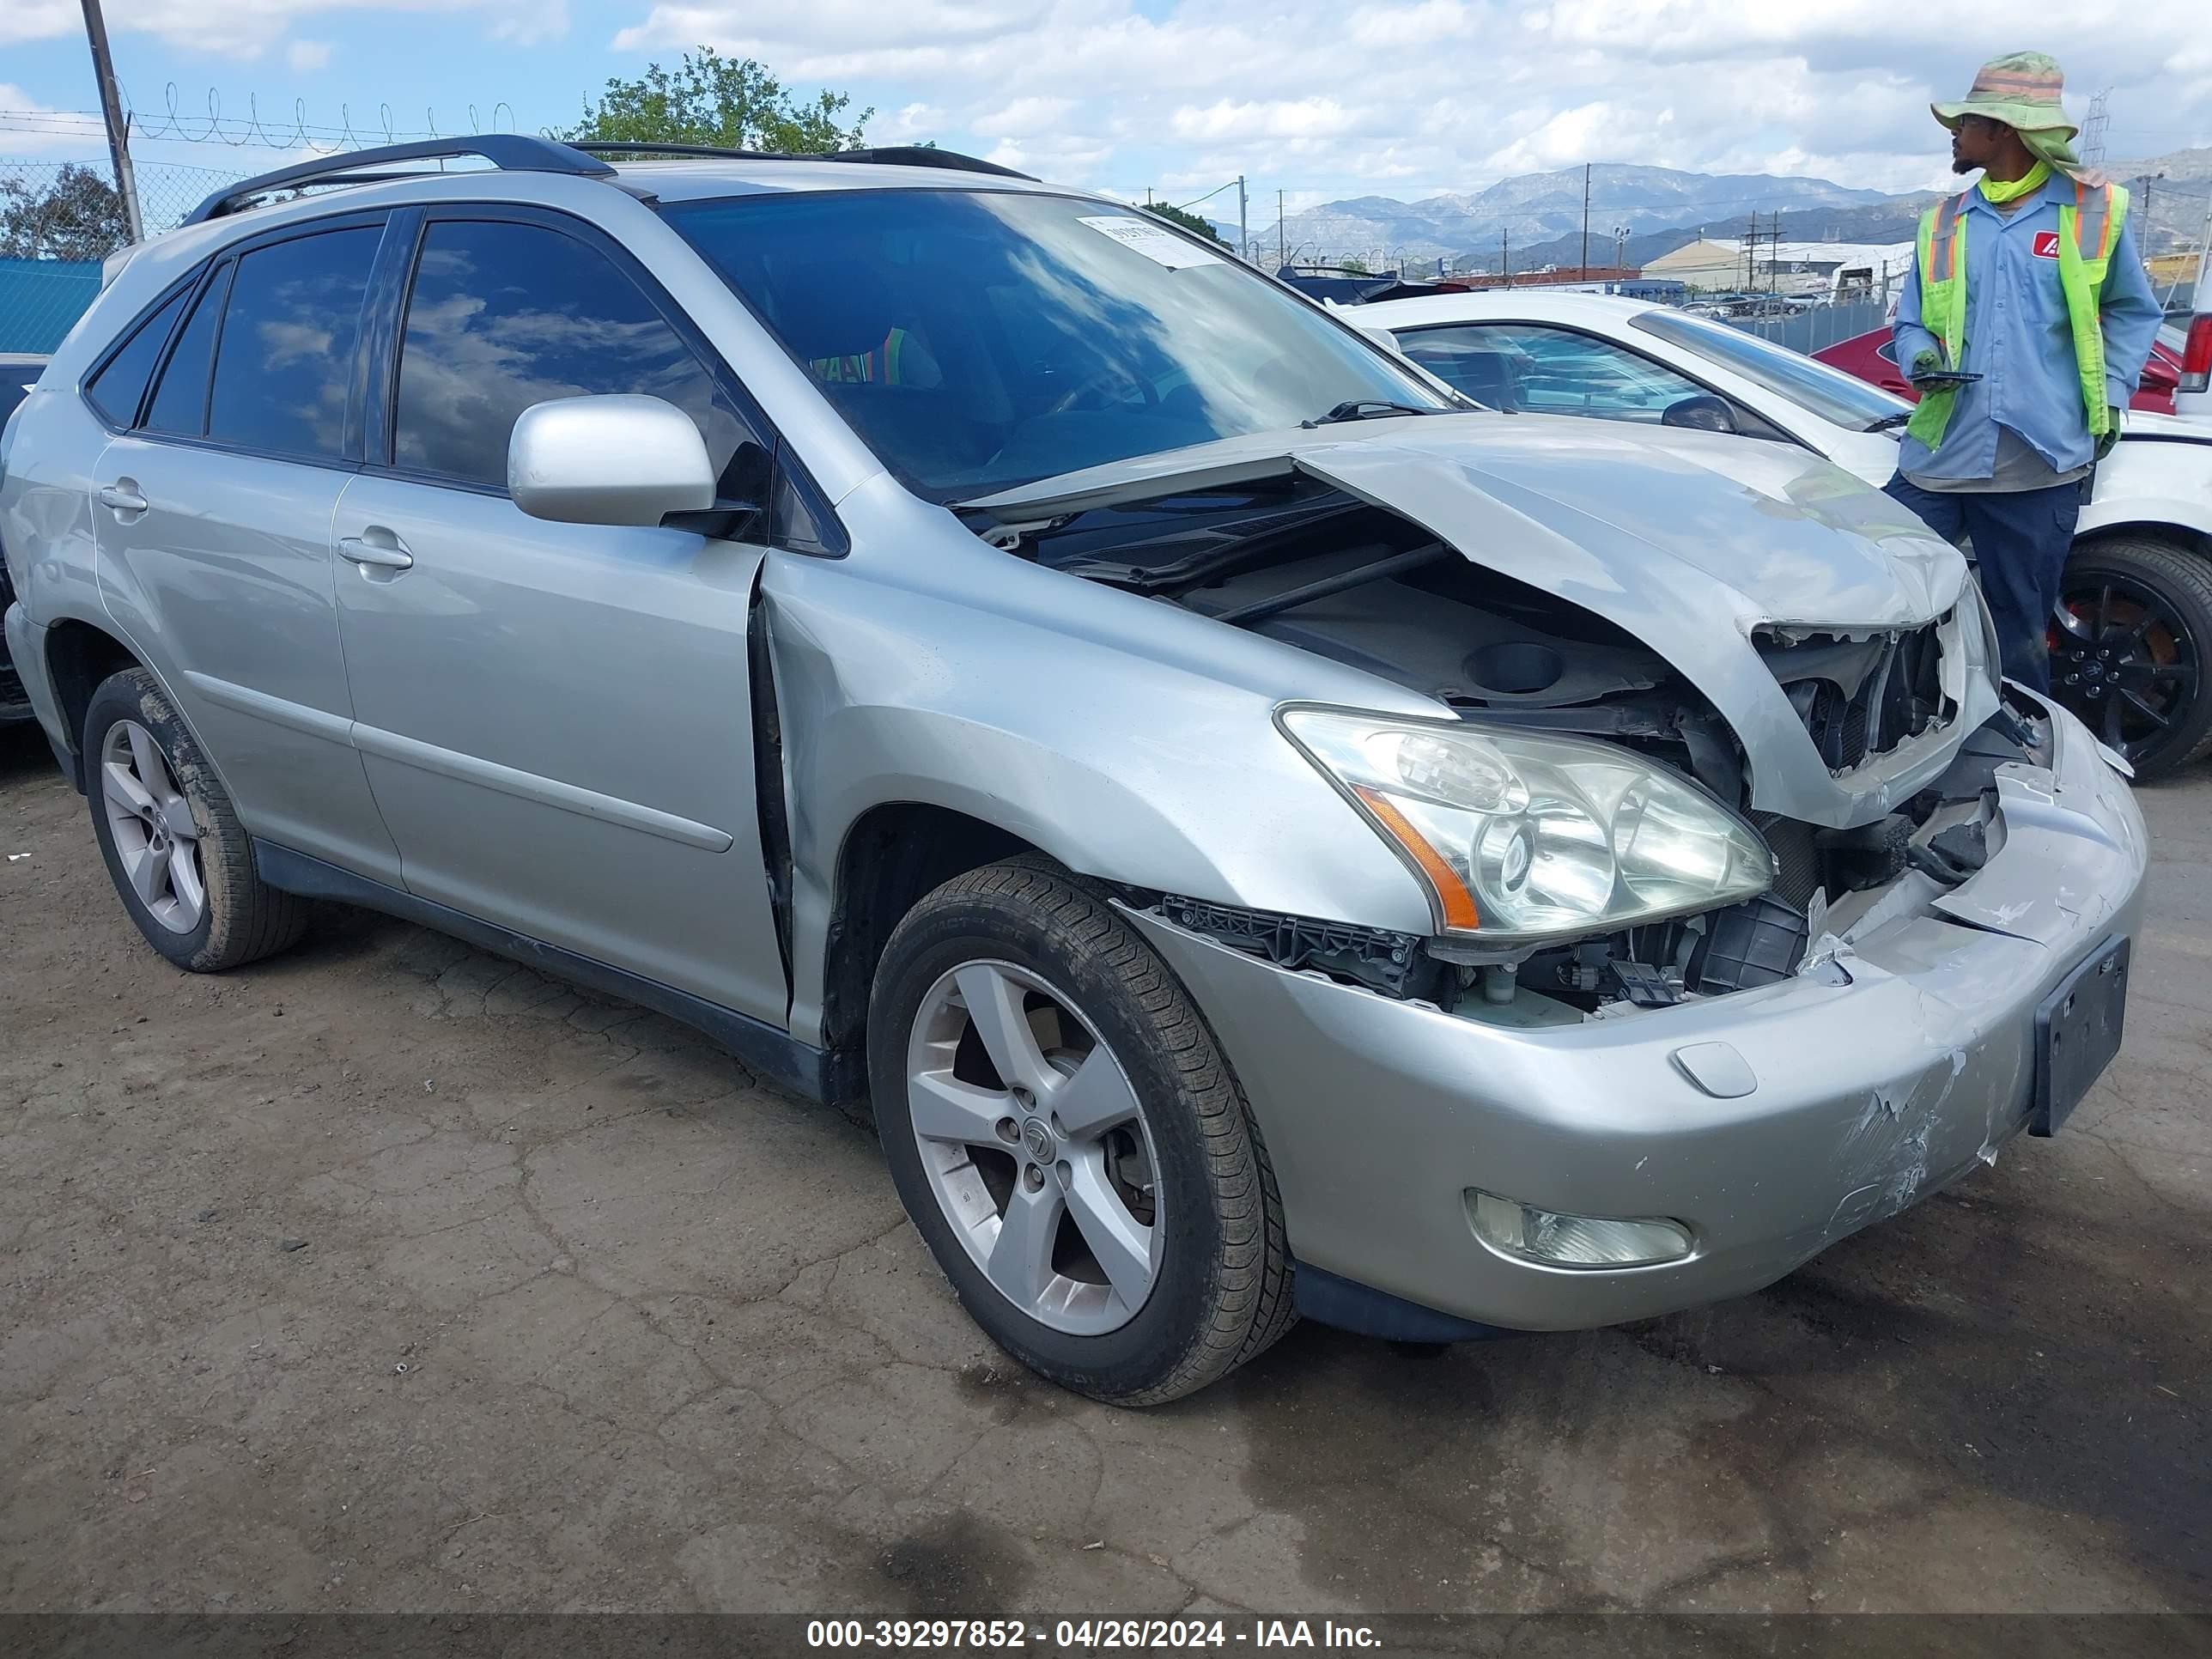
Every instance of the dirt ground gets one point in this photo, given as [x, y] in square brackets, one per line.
[388, 1275]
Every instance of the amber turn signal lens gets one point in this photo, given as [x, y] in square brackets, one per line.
[1451, 892]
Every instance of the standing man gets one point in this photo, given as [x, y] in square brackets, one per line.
[2030, 281]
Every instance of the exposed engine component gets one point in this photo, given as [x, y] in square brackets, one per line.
[1759, 942]
[1952, 854]
[1641, 985]
[1860, 697]
[1871, 856]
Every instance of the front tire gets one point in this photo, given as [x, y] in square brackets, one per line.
[1069, 1142]
[2130, 647]
[179, 859]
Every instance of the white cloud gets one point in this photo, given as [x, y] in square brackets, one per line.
[305, 56]
[1414, 97]
[1023, 117]
[245, 29]
[910, 124]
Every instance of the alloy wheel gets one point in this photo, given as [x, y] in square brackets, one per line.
[1036, 1146]
[156, 838]
[2123, 660]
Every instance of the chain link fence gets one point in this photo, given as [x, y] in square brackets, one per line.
[1817, 327]
[60, 220]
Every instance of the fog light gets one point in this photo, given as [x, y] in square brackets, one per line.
[1573, 1240]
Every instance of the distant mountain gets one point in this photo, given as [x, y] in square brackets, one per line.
[1895, 219]
[1537, 207]
[1662, 208]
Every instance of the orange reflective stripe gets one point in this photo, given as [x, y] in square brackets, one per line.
[2093, 220]
[1943, 251]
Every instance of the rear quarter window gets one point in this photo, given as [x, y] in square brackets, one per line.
[121, 386]
[180, 402]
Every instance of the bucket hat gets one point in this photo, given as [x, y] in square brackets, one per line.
[2020, 89]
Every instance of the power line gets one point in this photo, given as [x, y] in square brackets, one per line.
[171, 125]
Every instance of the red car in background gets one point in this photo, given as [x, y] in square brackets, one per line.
[1871, 357]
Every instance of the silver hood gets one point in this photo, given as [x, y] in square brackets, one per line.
[1688, 540]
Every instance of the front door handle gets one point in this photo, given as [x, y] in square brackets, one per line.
[362, 551]
[122, 496]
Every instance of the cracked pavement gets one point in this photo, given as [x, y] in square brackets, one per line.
[578, 1316]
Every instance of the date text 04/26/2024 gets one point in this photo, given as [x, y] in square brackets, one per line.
[1086, 1635]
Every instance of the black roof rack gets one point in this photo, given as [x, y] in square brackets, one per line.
[509, 152]
[902, 156]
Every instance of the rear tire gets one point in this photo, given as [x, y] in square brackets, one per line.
[174, 849]
[1086, 995]
[2165, 670]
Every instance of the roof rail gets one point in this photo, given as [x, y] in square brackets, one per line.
[902, 155]
[508, 152]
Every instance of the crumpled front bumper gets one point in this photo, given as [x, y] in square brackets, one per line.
[1874, 1087]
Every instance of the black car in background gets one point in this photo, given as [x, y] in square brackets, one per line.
[19, 372]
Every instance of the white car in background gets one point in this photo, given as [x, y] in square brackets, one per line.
[2132, 643]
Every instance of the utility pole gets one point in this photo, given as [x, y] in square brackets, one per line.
[1280, 259]
[1505, 256]
[111, 110]
[1243, 227]
[1586, 178]
[2142, 238]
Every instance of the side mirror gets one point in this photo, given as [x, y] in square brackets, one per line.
[612, 460]
[1704, 411]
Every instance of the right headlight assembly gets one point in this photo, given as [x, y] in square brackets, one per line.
[1527, 839]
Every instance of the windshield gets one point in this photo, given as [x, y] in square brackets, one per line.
[1828, 392]
[980, 339]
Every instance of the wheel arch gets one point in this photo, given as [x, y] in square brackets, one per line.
[2188, 538]
[79, 655]
[890, 856]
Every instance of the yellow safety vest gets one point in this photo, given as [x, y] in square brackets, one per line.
[2088, 226]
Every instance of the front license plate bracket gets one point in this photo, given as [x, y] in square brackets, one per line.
[2078, 1031]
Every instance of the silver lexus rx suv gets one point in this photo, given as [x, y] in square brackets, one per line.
[1261, 835]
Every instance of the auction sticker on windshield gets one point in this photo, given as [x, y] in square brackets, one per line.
[1155, 242]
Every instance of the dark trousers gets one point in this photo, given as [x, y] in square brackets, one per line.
[2020, 538]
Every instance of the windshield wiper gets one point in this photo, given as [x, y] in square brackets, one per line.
[1889, 422]
[1365, 409]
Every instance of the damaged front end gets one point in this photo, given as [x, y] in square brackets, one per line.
[1869, 710]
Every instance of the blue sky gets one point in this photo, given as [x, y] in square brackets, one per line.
[1320, 98]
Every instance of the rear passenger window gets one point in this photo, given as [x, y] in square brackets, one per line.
[289, 326]
[117, 390]
[505, 315]
[180, 402]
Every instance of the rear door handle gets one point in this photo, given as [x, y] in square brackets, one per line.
[122, 497]
[362, 551]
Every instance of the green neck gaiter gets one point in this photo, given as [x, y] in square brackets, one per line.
[2000, 192]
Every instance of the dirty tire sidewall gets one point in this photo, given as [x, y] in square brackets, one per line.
[246, 919]
[1224, 1292]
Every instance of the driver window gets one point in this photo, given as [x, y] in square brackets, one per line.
[504, 314]
[1537, 370]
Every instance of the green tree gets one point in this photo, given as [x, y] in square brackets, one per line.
[732, 103]
[1189, 221]
[78, 216]
[1353, 264]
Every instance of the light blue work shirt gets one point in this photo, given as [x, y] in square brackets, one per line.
[2020, 342]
